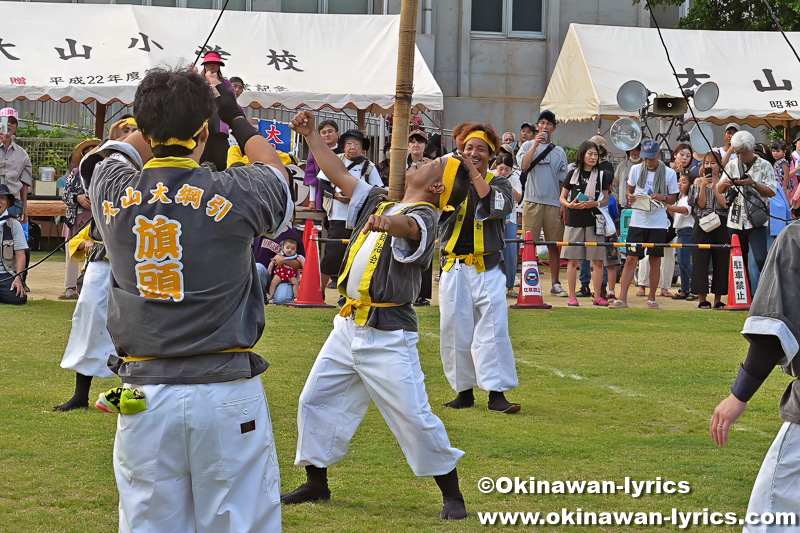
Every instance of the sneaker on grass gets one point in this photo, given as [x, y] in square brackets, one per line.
[558, 290]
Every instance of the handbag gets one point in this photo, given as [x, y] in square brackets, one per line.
[710, 222]
[756, 208]
[641, 202]
[604, 224]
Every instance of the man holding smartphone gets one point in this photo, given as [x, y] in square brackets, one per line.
[541, 207]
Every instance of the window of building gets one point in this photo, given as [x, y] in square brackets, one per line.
[359, 7]
[508, 18]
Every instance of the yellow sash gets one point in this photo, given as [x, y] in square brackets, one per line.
[363, 305]
[476, 257]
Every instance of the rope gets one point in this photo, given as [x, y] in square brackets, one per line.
[602, 244]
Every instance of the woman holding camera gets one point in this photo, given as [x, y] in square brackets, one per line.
[710, 212]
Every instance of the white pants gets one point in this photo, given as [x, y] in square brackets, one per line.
[667, 269]
[200, 458]
[89, 342]
[474, 341]
[777, 488]
[358, 364]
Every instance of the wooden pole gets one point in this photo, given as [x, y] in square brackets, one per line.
[402, 101]
[99, 120]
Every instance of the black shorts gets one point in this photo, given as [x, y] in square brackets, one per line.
[334, 251]
[645, 235]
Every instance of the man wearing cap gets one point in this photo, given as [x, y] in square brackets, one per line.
[353, 144]
[657, 181]
[417, 140]
[12, 252]
[526, 133]
[726, 152]
[16, 172]
[541, 207]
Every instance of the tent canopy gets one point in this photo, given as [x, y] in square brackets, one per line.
[757, 74]
[96, 52]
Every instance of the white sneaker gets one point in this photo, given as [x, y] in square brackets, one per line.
[558, 290]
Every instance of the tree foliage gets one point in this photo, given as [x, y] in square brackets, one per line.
[736, 15]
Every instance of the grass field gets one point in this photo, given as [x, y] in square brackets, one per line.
[605, 395]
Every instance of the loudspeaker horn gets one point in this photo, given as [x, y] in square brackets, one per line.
[696, 139]
[706, 96]
[632, 95]
[626, 134]
[669, 106]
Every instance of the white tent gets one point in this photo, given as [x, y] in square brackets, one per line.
[757, 74]
[86, 53]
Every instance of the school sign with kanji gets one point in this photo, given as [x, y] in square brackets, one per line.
[92, 52]
[757, 73]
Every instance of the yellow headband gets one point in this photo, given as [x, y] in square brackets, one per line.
[478, 134]
[449, 177]
[189, 143]
[131, 121]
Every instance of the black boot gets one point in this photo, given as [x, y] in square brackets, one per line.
[80, 400]
[498, 402]
[454, 508]
[464, 399]
[313, 490]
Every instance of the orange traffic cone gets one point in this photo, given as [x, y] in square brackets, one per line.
[738, 287]
[310, 294]
[530, 291]
[307, 232]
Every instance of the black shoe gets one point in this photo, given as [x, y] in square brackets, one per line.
[463, 400]
[585, 292]
[306, 493]
[498, 402]
[422, 302]
[454, 509]
[341, 301]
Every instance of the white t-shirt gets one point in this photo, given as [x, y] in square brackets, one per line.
[361, 259]
[339, 211]
[19, 239]
[655, 218]
[681, 221]
[513, 178]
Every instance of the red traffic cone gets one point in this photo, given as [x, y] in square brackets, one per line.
[307, 233]
[530, 293]
[738, 287]
[310, 294]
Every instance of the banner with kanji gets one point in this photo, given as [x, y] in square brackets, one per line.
[278, 134]
[88, 52]
[757, 73]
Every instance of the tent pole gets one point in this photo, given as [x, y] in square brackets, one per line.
[361, 119]
[402, 101]
[99, 120]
